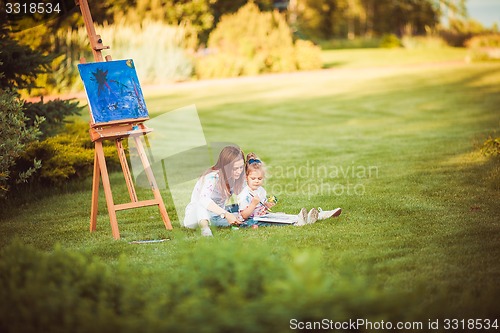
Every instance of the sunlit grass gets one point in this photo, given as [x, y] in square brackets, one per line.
[358, 58]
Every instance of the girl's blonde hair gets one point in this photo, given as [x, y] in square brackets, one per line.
[254, 163]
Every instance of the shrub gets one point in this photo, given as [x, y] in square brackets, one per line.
[58, 292]
[264, 293]
[66, 156]
[217, 287]
[307, 55]
[484, 47]
[251, 42]
[390, 41]
[15, 136]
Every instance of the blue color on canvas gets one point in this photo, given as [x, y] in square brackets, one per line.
[113, 91]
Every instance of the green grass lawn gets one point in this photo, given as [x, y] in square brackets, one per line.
[359, 58]
[396, 148]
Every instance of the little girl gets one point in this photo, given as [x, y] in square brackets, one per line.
[252, 200]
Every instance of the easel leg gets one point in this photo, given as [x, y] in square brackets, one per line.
[95, 193]
[126, 170]
[152, 182]
[107, 190]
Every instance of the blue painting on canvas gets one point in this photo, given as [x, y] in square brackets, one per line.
[113, 91]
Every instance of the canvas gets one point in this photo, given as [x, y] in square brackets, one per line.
[113, 91]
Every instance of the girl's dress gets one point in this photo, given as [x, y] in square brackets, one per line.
[245, 198]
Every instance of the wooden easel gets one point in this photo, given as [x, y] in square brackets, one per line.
[117, 131]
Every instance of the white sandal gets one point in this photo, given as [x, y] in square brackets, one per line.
[326, 214]
[312, 216]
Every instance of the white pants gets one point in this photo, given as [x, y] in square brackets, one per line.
[194, 213]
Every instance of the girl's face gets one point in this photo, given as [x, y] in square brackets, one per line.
[255, 179]
[237, 169]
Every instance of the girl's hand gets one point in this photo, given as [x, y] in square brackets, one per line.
[255, 200]
[269, 205]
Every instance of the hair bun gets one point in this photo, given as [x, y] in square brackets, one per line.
[251, 155]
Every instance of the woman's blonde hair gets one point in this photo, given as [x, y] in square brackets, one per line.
[227, 157]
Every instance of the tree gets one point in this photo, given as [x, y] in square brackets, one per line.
[326, 19]
[405, 17]
[20, 63]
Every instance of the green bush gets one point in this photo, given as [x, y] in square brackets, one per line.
[239, 288]
[389, 41]
[58, 292]
[216, 287]
[15, 136]
[251, 42]
[308, 57]
[484, 47]
[68, 155]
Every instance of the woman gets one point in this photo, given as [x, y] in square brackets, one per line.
[213, 189]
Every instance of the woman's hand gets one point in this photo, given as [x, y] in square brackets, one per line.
[232, 219]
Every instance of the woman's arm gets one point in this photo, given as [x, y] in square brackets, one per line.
[205, 193]
[208, 203]
[219, 211]
[212, 206]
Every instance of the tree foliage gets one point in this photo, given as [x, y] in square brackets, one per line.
[201, 14]
[324, 19]
[55, 113]
[20, 63]
[315, 18]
